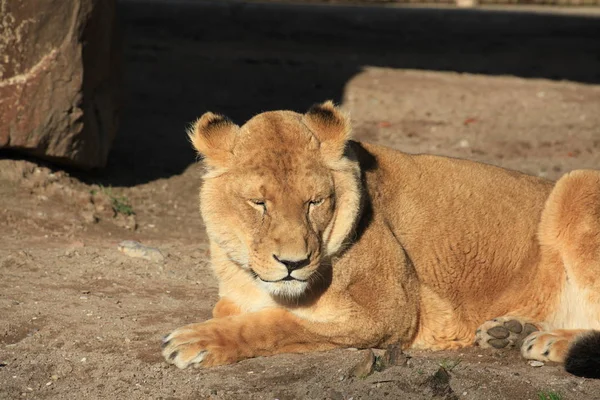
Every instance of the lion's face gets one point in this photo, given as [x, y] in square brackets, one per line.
[272, 200]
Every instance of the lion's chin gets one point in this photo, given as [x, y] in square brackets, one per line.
[286, 289]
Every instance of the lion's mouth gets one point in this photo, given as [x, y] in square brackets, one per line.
[286, 279]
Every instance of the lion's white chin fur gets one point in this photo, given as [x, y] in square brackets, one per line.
[285, 289]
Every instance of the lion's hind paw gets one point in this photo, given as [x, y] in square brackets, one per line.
[503, 332]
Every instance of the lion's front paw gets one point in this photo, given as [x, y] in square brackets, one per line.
[201, 344]
[503, 332]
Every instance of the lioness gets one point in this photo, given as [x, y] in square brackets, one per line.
[321, 242]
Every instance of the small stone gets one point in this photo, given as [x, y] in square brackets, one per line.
[535, 363]
[439, 384]
[138, 250]
[364, 367]
[394, 356]
[54, 377]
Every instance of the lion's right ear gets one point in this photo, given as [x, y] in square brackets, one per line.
[213, 136]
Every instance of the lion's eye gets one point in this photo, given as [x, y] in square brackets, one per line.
[258, 203]
[315, 202]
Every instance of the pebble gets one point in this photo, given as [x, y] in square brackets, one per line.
[535, 363]
[138, 250]
[365, 367]
[394, 356]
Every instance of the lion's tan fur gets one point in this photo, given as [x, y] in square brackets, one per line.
[416, 249]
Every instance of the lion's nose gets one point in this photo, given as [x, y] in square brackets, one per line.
[293, 265]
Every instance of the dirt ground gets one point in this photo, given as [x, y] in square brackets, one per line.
[80, 319]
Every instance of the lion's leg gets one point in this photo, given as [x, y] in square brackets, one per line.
[270, 331]
[225, 308]
[504, 332]
[570, 228]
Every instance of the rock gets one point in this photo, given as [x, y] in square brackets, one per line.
[59, 79]
[365, 367]
[535, 363]
[439, 385]
[394, 356]
[138, 250]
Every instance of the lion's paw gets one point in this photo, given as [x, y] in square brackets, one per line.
[503, 332]
[199, 344]
[545, 346]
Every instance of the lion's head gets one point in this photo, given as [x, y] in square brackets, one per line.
[280, 195]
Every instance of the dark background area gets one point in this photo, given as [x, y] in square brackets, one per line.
[183, 58]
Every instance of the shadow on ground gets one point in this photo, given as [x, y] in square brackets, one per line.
[183, 58]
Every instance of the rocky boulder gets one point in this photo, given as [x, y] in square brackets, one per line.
[59, 72]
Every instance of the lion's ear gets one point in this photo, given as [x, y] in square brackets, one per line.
[213, 136]
[331, 126]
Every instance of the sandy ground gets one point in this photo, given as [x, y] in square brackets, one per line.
[80, 319]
